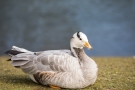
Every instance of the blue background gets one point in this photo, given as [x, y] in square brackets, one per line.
[49, 24]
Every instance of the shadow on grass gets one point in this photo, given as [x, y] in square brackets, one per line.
[23, 80]
[17, 79]
[26, 81]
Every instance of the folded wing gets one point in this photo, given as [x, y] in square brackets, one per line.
[54, 60]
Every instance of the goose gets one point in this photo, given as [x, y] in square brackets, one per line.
[58, 68]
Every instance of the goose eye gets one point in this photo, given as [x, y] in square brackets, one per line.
[80, 39]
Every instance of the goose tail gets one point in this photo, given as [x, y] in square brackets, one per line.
[21, 58]
[16, 50]
[19, 49]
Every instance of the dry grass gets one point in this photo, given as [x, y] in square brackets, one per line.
[115, 73]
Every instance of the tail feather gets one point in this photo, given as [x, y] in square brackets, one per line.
[13, 52]
[19, 49]
[22, 58]
[19, 62]
[25, 62]
[9, 60]
[16, 50]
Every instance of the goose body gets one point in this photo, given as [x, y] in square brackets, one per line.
[62, 68]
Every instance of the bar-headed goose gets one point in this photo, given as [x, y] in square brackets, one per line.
[58, 68]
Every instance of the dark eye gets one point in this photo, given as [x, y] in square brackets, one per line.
[80, 39]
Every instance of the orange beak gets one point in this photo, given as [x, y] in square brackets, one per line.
[87, 45]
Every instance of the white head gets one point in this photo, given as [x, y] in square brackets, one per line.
[80, 40]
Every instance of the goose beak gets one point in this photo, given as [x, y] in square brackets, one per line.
[87, 45]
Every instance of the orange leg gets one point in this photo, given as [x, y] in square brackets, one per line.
[52, 86]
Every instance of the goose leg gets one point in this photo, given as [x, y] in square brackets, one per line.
[52, 86]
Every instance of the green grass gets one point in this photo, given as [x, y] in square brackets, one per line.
[115, 73]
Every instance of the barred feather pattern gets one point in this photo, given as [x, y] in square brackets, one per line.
[57, 67]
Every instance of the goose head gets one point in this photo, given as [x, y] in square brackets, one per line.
[79, 40]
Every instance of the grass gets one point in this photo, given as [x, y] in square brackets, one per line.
[115, 73]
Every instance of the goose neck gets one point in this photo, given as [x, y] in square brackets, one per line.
[78, 52]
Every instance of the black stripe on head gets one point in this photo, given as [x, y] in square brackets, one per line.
[78, 35]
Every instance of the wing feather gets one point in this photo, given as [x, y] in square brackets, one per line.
[30, 70]
[54, 60]
[19, 62]
[27, 65]
[62, 62]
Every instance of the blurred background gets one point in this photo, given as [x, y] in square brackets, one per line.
[39, 25]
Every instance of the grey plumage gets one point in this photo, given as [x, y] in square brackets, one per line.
[63, 68]
[53, 60]
[56, 67]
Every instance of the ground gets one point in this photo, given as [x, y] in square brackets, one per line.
[115, 73]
